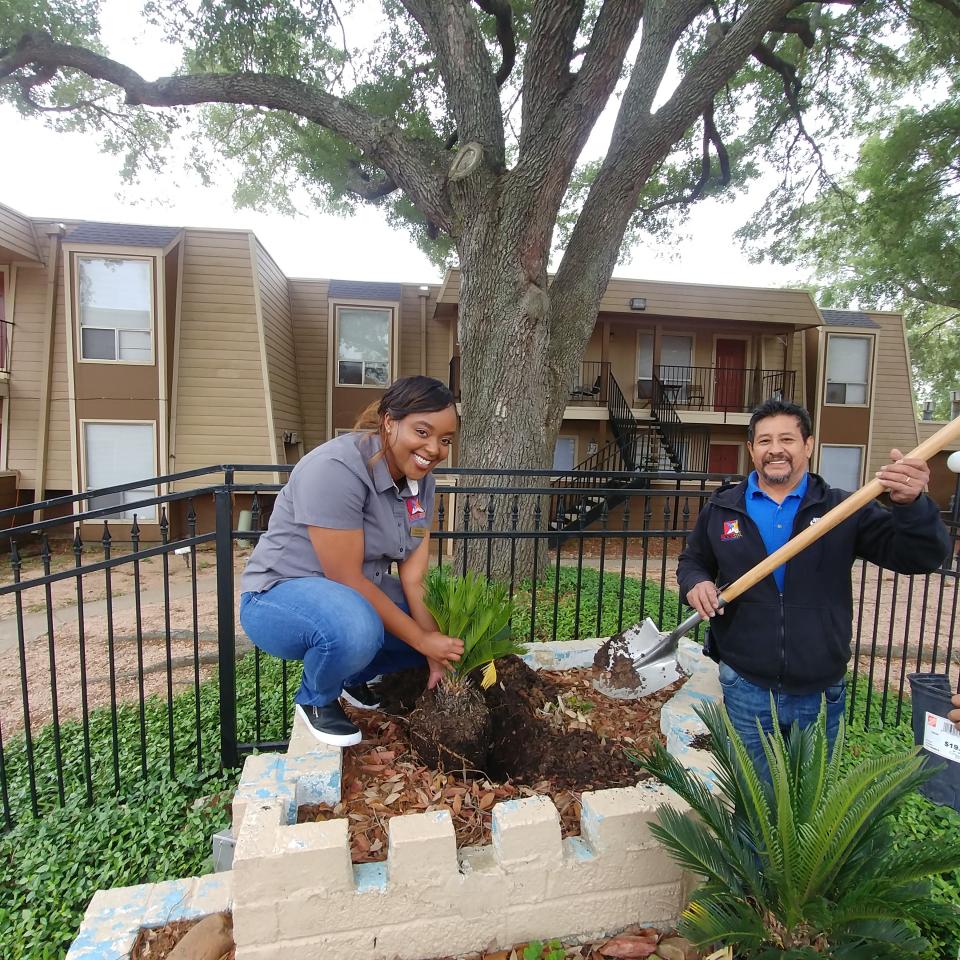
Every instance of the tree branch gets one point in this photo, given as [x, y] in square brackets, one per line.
[546, 68]
[641, 141]
[502, 12]
[800, 26]
[683, 199]
[360, 183]
[468, 76]
[412, 165]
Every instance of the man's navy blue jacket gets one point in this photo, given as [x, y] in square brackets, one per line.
[799, 642]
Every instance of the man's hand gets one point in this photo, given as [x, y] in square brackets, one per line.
[904, 479]
[954, 715]
[703, 598]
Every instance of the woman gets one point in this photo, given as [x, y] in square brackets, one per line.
[316, 588]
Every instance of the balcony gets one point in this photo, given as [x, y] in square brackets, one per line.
[719, 389]
[588, 388]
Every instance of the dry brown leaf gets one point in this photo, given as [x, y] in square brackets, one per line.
[456, 806]
[392, 799]
[486, 801]
[629, 946]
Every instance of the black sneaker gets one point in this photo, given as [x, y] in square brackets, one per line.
[330, 724]
[362, 696]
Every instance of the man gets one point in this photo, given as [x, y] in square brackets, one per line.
[790, 633]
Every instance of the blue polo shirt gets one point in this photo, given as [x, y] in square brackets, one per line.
[774, 520]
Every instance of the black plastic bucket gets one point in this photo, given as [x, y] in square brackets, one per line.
[930, 693]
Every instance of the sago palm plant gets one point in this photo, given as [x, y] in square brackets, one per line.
[450, 726]
[477, 611]
[800, 865]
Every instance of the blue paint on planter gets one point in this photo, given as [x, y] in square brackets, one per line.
[370, 877]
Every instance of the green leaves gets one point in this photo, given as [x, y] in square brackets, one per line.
[801, 865]
[475, 610]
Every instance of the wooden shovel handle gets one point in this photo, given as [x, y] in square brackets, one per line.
[838, 514]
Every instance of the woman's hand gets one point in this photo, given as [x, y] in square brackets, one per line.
[442, 652]
[438, 671]
[437, 646]
[954, 715]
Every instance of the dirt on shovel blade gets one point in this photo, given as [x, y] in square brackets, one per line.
[614, 665]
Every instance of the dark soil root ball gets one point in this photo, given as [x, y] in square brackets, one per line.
[450, 728]
[399, 692]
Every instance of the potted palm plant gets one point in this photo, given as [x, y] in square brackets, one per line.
[450, 726]
[799, 864]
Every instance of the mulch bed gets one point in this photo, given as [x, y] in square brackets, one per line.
[553, 734]
[635, 941]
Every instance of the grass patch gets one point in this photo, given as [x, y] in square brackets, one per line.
[569, 604]
[915, 819]
[152, 829]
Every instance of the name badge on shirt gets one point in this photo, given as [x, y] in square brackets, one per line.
[420, 532]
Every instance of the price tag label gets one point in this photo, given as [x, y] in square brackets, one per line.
[941, 737]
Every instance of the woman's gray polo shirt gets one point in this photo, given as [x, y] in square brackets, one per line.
[335, 486]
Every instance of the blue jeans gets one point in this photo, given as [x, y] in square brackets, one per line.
[333, 629]
[745, 703]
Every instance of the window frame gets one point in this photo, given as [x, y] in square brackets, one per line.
[867, 385]
[79, 326]
[391, 311]
[862, 447]
[84, 485]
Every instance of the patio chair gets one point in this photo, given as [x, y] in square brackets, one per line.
[586, 393]
[695, 395]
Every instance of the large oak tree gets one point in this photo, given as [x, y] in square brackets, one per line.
[466, 121]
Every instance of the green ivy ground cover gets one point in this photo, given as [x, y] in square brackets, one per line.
[574, 597]
[157, 828]
[916, 819]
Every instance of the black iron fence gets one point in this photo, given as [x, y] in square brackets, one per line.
[124, 659]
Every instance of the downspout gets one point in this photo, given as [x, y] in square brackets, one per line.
[423, 293]
[55, 234]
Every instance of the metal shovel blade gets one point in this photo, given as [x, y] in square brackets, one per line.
[640, 661]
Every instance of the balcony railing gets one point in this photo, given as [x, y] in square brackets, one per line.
[588, 387]
[722, 389]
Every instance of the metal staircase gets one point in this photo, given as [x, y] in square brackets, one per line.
[643, 449]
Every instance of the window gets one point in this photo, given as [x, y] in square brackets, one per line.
[363, 346]
[115, 309]
[644, 366]
[676, 356]
[564, 454]
[840, 466]
[848, 366]
[116, 453]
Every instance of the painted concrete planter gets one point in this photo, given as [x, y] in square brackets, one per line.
[296, 895]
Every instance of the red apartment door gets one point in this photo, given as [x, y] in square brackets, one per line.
[724, 458]
[729, 374]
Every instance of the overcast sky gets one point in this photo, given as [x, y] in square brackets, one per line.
[46, 174]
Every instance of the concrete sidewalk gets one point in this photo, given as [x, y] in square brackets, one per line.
[35, 624]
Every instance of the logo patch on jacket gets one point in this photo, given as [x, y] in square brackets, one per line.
[731, 530]
[415, 509]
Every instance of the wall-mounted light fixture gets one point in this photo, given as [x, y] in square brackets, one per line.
[638, 303]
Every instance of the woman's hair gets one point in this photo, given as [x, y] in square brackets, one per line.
[403, 397]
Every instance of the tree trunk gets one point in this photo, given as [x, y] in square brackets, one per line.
[513, 395]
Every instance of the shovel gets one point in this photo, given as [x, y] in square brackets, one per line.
[642, 659]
